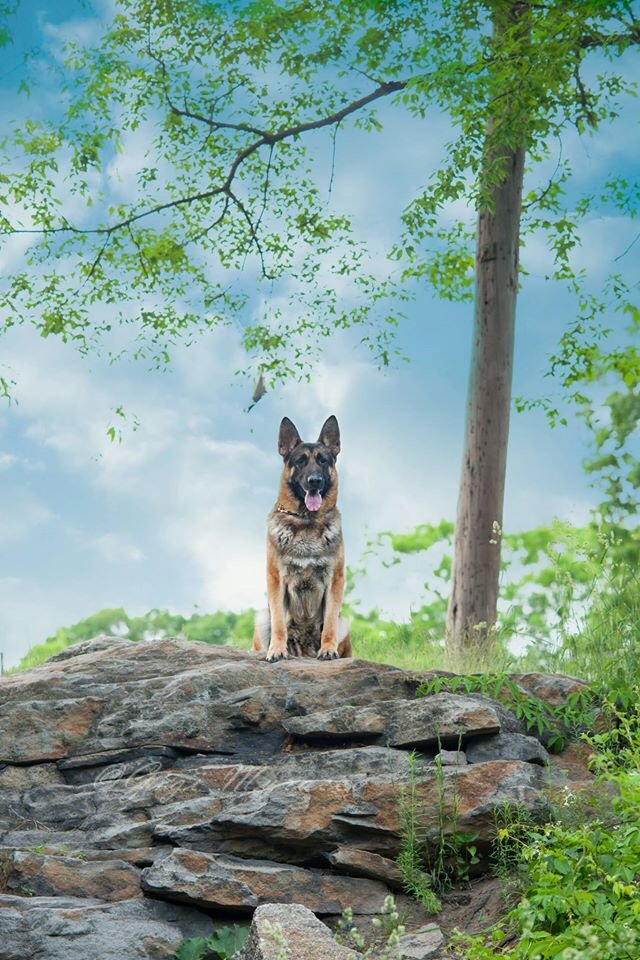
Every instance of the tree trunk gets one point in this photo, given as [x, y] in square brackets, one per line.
[476, 567]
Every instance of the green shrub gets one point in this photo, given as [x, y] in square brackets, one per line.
[223, 944]
[220, 628]
[581, 893]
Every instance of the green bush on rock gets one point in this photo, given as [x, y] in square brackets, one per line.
[581, 895]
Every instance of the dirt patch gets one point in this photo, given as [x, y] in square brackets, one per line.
[475, 907]
[471, 908]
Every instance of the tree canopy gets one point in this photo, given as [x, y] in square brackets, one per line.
[226, 117]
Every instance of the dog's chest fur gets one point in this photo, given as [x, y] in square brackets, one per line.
[306, 551]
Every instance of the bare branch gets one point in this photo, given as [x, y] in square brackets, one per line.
[94, 265]
[393, 86]
[334, 134]
[141, 255]
[192, 115]
[265, 189]
[202, 233]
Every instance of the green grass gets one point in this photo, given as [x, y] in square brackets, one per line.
[402, 645]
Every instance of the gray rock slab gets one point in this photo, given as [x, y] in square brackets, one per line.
[47, 875]
[452, 758]
[306, 937]
[443, 718]
[361, 863]
[240, 884]
[115, 753]
[422, 944]
[114, 695]
[507, 746]
[70, 928]
[298, 820]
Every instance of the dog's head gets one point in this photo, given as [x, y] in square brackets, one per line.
[310, 468]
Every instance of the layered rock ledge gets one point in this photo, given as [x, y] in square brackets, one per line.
[151, 791]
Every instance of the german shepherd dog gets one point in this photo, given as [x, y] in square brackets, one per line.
[305, 553]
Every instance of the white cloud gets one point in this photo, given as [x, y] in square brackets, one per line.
[117, 549]
[219, 494]
[8, 460]
[20, 515]
[14, 248]
[83, 31]
[122, 172]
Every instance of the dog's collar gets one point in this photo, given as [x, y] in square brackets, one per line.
[291, 513]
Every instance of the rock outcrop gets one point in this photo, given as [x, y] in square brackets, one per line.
[304, 935]
[71, 928]
[154, 789]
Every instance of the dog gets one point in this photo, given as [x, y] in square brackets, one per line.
[305, 553]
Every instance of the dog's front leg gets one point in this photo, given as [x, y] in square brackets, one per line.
[275, 592]
[333, 604]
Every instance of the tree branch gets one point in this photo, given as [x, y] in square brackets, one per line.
[591, 40]
[215, 124]
[253, 229]
[552, 179]
[202, 233]
[264, 139]
[626, 251]
[393, 86]
[583, 94]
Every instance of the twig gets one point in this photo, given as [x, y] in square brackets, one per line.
[541, 196]
[333, 157]
[254, 235]
[625, 252]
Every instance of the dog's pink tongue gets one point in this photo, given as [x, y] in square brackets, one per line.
[313, 501]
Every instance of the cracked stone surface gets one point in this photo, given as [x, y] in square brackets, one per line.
[148, 788]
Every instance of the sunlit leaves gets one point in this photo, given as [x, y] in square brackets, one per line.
[195, 119]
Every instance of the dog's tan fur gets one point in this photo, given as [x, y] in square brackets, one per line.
[305, 560]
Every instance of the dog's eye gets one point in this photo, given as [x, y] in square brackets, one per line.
[301, 461]
[321, 459]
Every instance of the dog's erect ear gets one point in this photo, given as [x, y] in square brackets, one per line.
[330, 435]
[288, 439]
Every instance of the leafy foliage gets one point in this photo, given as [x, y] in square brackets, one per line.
[237, 102]
[558, 724]
[581, 896]
[570, 596]
[220, 627]
[223, 944]
[410, 860]
[514, 824]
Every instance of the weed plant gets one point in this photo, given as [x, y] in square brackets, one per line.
[390, 928]
[432, 864]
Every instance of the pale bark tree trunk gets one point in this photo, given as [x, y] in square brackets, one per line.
[476, 566]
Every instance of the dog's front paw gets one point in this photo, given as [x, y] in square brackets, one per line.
[328, 654]
[273, 656]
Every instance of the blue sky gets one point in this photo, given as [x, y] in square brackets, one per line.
[174, 516]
